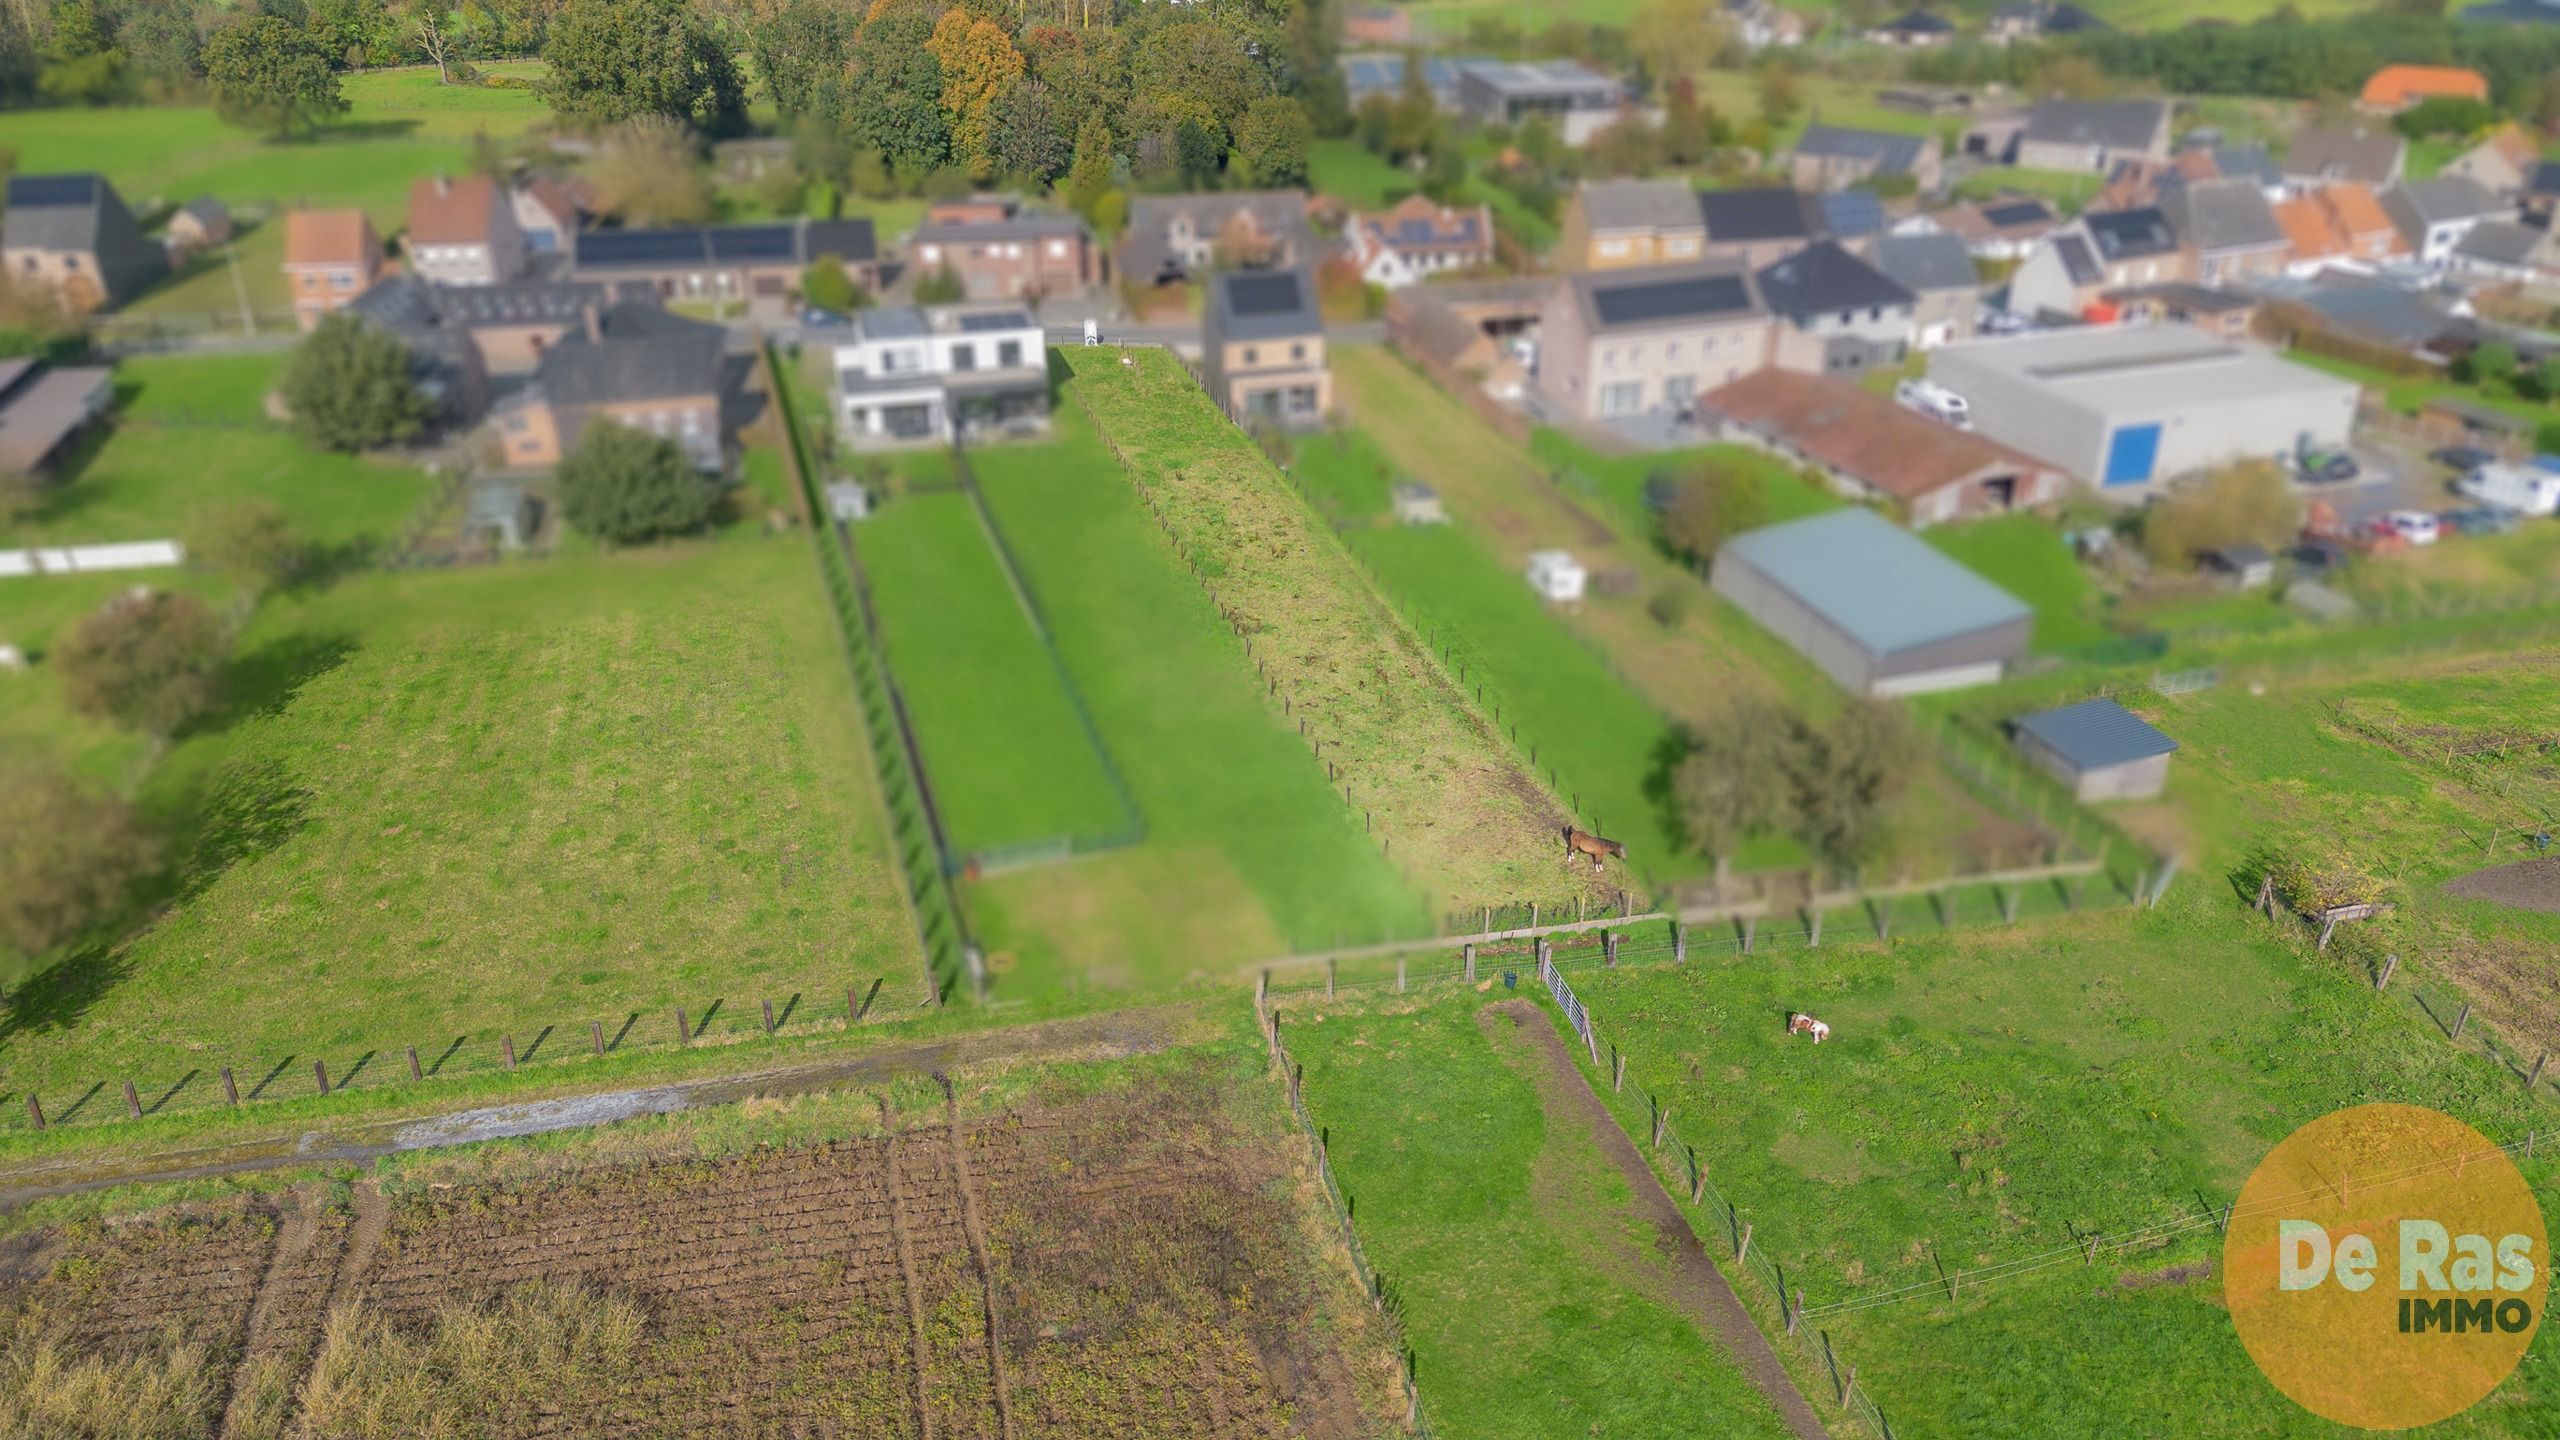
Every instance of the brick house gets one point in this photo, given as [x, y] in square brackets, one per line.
[330, 258]
[1420, 238]
[1618, 344]
[463, 232]
[73, 235]
[1002, 249]
[631, 364]
[1262, 347]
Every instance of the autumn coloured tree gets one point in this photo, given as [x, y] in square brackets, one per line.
[978, 64]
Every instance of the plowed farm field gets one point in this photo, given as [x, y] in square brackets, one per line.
[1132, 1263]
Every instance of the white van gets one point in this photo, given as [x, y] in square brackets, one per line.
[1935, 401]
[2525, 490]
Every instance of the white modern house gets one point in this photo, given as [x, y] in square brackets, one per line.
[931, 376]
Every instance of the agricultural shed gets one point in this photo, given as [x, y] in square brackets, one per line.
[1873, 607]
[1419, 504]
[2099, 748]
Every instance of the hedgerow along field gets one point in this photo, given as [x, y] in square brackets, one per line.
[892, 1260]
[475, 803]
[1456, 812]
[1533, 1296]
[1006, 748]
[1992, 1095]
[1249, 853]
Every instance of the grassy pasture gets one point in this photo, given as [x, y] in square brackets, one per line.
[1248, 851]
[1007, 753]
[1533, 1298]
[2023, 555]
[487, 801]
[1453, 807]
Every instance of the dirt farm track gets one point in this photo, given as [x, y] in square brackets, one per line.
[2526, 884]
[1128, 1264]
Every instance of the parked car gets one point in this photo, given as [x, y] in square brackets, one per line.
[2318, 557]
[817, 317]
[2465, 458]
[1935, 401]
[2527, 490]
[2480, 520]
[2326, 467]
[2417, 527]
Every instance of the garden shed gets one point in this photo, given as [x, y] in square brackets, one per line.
[1873, 606]
[2099, 748]
[1556, 575]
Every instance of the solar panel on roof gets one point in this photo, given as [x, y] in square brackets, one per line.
[2023, 212]
[640, 247]
[52, 189]
[751, 242]
[1263, 294]
[980, 323]
[1670, 299]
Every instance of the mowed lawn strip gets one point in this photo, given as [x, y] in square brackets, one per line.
[1008, 757]
[481, 802]
[1426, 767]
[1989, 1095]
[1248, 851]
[1534, 1299]
[1597, 737]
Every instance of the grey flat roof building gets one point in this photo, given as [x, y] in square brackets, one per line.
[1873, 606]
[2099, 748]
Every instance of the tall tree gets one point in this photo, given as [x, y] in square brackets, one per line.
[892, 94]
[1089, 174]
[1028, 139]
[249, 541]
[1735, 781]
[1709, 505]
[82, 65]
[149, 661]
[68, 857]
[613, 60]
[350, 387]
[650, 173]
[1273, 140]
[978, 64]
[1201, 60]
[1676, 38]
[269, 74]
[624, 486]
[1850, 772]
[796, 48]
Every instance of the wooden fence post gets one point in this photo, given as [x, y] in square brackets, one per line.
[1399, 974]
[1697, 1177]
[1617, 1070]
[1661, 1120]
[35, 1111]
[684, 1028]
[1742, 1249]
[2389, 964]
[768, 1017]
[508, 1044]
[595, 1035]
[1813, 919]
[1795, 1315]
[1750, 926]
[230, 1088]
[132, 1102]
[320, 1074]
[2008, 895]
[1679, 943]
[1609, 947]
[414, 1072]
[1329, 965]
[1470, 952]
[2328, 927]
[2535, 1079]
[1262, 989]
[2461, 1019]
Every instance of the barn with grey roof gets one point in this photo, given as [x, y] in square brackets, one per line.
[1872, 606]
[2099, 748]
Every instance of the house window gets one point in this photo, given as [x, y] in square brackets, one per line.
[964, 357]
[1252, 356]
[342, 281]
[1008, 354]
[1623, 397]
[1297, 352]
[71, 263]
[1846, 316]
[1671, 350]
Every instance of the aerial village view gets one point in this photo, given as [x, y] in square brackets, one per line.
[1527, 719]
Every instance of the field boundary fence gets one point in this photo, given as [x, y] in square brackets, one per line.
[914, 830]
[1319, 1149]
[554, 1047]
[1045, 849]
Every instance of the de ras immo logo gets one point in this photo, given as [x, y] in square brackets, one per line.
[2386, 1266]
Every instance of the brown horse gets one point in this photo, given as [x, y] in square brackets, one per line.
[1578, 841]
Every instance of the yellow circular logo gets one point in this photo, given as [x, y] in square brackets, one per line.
[2386, 1266]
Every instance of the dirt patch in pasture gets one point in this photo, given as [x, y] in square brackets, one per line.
[2526, 884]
[1139, 1262]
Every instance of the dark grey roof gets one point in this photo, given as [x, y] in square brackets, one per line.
[2369, 154]
[1851, 214]
[1640, 299]
[2247, 162]
[2223, 215]
[2095, 734]
[2007, 214]
[792, 242]
[892, 322]
[2445, 197]
[2501, 242]
[1765, 212]
[1020, 225]
[2545, 179]
[1893, 154]
[1883, 587]
[1825, 277]
[1262, 305]
[639, 352]
[1918, 22]
[2186, 295]
[2132, 234]
[849, 240]
[525, 302]
[2116, 124]
[2077, 262]
[2069, 19]
[56, 212]
[1927, 262]
[1541, 79]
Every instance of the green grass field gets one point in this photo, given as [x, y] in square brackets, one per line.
[1007, 754]
[1535, 1303]
[485, 801]
[1248, 853]
[1619, 480]
[1560, 698]
[2025, 556]
[1424, 765]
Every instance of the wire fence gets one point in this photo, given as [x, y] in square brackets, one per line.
[1291, 1075]
[208, 1085]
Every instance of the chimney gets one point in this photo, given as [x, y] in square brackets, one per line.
[592, 321]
